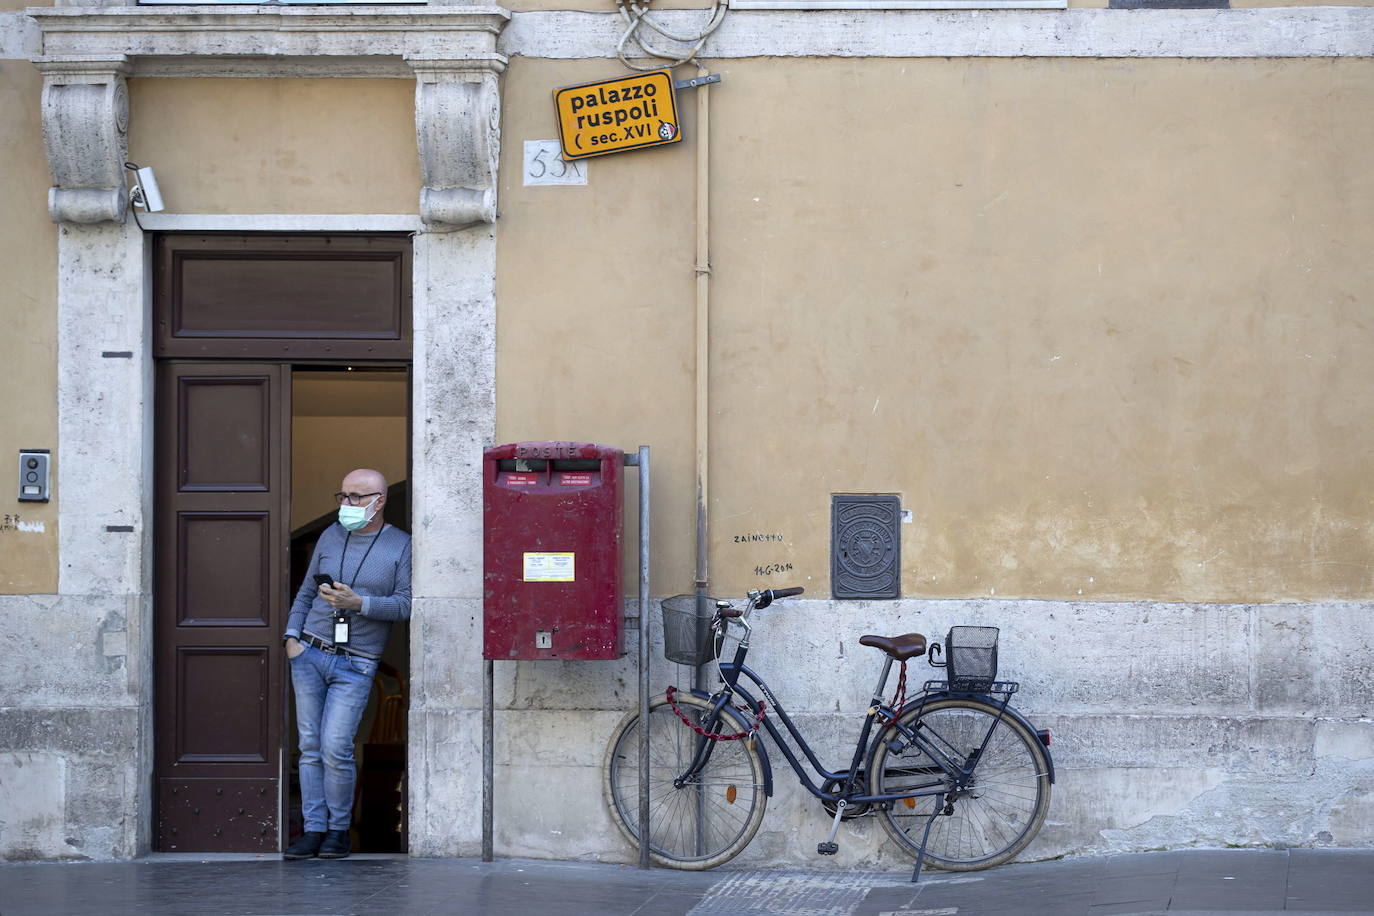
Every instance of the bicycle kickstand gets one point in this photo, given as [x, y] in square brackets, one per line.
[830, 847]
[925, 837]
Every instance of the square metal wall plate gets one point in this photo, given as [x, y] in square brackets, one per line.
[865, 545]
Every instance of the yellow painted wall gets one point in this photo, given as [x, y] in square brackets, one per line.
[278, 145]
[28, 348]
[1101, 324]
[594, 306]
[1098, 322]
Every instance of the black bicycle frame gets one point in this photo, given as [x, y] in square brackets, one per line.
[731, 672]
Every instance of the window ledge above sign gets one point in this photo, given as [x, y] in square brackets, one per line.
[899, 4]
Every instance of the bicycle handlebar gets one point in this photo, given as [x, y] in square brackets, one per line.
[759, 600]
[768, 595]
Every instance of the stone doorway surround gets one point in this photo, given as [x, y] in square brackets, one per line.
[105, 365]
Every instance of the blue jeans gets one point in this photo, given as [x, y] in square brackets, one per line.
[331, 694]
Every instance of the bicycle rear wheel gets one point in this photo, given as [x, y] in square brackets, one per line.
[705, 821]
[988, 820]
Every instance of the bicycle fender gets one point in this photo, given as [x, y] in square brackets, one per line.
[1025, 723]
[1009, 713]
[744, 725]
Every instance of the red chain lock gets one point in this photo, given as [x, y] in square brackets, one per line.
[713, 735]
[899, 698]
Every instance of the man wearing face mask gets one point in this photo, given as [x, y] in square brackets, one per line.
[357, 584]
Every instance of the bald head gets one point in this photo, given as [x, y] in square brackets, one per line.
[363, 483]
[364, 480]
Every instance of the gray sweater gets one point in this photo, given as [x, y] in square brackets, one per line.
[383, 581]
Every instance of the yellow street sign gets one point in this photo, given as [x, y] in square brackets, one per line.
[615, 115]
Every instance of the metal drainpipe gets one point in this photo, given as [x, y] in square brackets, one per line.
[703, 377]
[703, 339]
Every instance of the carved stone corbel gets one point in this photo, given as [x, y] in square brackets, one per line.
[458, 130]
[85, 130]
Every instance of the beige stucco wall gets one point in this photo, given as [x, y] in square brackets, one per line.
[594, 313]
[278, 145]
[1100, 323]
[28, 348]
[319, 463]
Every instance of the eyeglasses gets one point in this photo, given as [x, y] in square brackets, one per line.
[353, 499]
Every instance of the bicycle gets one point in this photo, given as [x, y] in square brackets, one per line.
[957, 777]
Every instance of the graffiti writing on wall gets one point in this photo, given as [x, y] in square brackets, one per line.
[15, 523]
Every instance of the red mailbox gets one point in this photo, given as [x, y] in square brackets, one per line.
[552, 539]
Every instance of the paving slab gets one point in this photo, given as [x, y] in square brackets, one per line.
[1178, 883]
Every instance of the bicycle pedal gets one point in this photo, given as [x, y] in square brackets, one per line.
[827, 849]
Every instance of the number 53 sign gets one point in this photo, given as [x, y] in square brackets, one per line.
[544, 165]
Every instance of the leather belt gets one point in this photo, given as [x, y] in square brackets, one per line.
[311, 640]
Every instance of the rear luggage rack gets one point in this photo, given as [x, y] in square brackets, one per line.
[998, 687]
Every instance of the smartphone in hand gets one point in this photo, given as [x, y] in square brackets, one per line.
[323, 579]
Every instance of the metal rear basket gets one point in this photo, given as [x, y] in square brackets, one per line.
[971, 653]
[687, 636]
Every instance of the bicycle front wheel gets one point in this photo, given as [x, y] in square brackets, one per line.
[713, 814]
[985, 821]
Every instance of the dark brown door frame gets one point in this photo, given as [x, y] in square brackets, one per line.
[256, 304]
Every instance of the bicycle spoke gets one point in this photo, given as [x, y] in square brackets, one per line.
[994, 813]
[700, 816]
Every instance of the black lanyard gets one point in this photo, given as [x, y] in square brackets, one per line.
[347, 538]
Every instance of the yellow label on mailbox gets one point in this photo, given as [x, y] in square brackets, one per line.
[612, 116]
[549, 567]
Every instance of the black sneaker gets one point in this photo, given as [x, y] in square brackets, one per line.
[337, 844]
[307, 846]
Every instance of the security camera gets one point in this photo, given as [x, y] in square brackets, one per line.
[146, 193]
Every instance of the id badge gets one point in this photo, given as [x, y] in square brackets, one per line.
[340, 631]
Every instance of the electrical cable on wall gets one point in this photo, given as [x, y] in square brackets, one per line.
[635, 14]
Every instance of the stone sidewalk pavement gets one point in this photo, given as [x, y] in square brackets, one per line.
[1301, 881]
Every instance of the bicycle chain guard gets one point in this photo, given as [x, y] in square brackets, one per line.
[851, 810]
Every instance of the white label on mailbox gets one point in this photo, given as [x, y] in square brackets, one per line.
[549, 567]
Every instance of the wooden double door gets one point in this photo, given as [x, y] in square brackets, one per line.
[231, 315]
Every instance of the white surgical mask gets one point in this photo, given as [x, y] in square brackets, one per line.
[355, 517]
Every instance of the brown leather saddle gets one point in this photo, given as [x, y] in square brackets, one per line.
[908, 645]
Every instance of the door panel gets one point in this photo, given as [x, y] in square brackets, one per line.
[224, 432]
[233, 581]
[341, 297]
[223, 438]
[210, 730]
